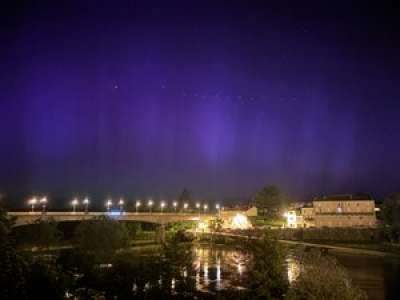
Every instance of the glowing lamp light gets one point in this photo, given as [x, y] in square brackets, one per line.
[74, 204]
[185, 206]
[86, 203]
[291, 219]
[150, 204]
[203, 226]
[138, 203]
[32, 201]
[121, 202]
[108, 204]
[240, 221]
[197, 205]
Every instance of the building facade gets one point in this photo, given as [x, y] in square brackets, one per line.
[337, 211]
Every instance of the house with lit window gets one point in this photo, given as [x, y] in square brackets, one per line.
[344, 211]
[357, 210]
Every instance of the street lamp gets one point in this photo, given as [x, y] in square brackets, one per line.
[162, 205]
[150, 204]
[108, 204]
[175, 204]
[121, 205]
[43, 201]
[218, 208]
[185, 206]
[86, 203]
[74, 204]
[32, 202]
[198, 207]
[205, 207]
[137, 205]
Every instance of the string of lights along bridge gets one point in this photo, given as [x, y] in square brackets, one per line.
[149, 206]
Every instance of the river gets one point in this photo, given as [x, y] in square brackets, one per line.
[221, 267]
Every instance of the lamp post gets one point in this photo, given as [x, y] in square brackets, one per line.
[175, 204]
[108, 205]
[150, 205]
[218, 208]
[32, 203]
[74, 204]
[43, 201]
[121, 205]
[137, 205]
[86, 203]
[185, 206]
[162, 205]
[198, 207]
[205, 207]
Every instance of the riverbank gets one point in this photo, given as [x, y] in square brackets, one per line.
[326, 246]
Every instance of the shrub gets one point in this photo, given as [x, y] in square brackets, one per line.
[322, 277]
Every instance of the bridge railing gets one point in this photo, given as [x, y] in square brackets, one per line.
[113, 213]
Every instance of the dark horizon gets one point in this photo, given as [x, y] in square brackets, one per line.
[139, 100]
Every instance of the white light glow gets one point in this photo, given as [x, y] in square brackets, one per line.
[240, 221]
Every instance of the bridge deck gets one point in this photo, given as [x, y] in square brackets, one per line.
[23, 218]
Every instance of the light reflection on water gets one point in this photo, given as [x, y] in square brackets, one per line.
[293, 268]
[219, 268]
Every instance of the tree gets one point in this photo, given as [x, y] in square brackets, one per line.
[12, 265]
[269, 199]
[47, 281]
[101, 237]
[13, 272]
[267, 278]
[391, 217]
[216, 224]
[322, 277]
[176, 259]
[43, 234]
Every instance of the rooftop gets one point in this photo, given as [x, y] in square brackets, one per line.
[344, 197]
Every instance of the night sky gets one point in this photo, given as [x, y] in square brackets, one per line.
[140, 99]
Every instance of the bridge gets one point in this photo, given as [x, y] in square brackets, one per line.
[25, 218]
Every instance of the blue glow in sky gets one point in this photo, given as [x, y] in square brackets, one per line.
[142, 101]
